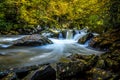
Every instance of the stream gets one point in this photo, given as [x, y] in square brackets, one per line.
[27, 56]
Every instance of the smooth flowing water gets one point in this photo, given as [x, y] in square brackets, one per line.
[26, 56]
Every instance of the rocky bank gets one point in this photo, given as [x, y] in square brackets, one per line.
[77, 67]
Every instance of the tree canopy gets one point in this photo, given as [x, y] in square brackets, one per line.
[57, 13]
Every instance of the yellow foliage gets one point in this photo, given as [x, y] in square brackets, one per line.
[33, 11]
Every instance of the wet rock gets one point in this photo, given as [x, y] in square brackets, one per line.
[108, 41]
[74, 57]
[101, 64]
[21, 73]
[89, 59]
[32, 40]
[76, 69]
[112, 65]
[3, 74]
[105, 44]
[45, 74]
[85, 38]
[52, 33]
[68, 71]
[100, 43]
[10, 76]
[115, 45]
[31, 70]
[111, 60]
[13, 33]
[55, 35]
[64, 59]
[100, 74]
[95, 41]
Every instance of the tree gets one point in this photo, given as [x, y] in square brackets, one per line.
[115, 13]
[59, 14]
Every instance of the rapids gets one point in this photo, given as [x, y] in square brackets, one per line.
[26, 56]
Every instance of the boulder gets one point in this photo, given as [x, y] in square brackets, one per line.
[72, 70]
[76, 68]
[32, 40]
[101, 63]
[3, 74]
[100, 74]
[47, 73]
[85, 38]
[21, 73]
[111, 60]
[10, 76]
[108, 41]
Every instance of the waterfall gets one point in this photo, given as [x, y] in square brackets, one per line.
[51, 53]
[69, 34]
[79, 34]
[60, 35]
[87, 43]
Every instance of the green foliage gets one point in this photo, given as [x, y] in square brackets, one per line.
[54, 13]
[114, 13]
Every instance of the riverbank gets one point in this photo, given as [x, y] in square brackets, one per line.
[77, 66]
[74, 67]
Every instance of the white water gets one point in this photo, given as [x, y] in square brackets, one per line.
[79, 35]
[24, 56]
[69, 34]
[9, 38]
[60, 36]
[6, 41]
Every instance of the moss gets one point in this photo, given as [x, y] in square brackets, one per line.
[10, 76]
[99, 74]
[64, 60]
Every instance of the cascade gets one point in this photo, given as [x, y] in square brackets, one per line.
[70, 35]
[60, 35]
[87, 43]
[79, 34]
[25, 56]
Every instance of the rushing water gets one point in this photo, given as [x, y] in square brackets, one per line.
[25, 56]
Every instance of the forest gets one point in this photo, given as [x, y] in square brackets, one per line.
[59, 39]
[94, 14]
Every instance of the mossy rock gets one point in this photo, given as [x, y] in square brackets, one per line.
[77, 67]
[32, 40]
[82, 40]
[70, 70]
[100, 63]
[76, 57]
[85, 38]
[100, 74]
[64, 60]
[10, 76]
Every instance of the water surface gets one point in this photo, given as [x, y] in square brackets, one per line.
[26, 56]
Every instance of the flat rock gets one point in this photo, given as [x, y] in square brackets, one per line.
[32, 40]
[47, 73]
